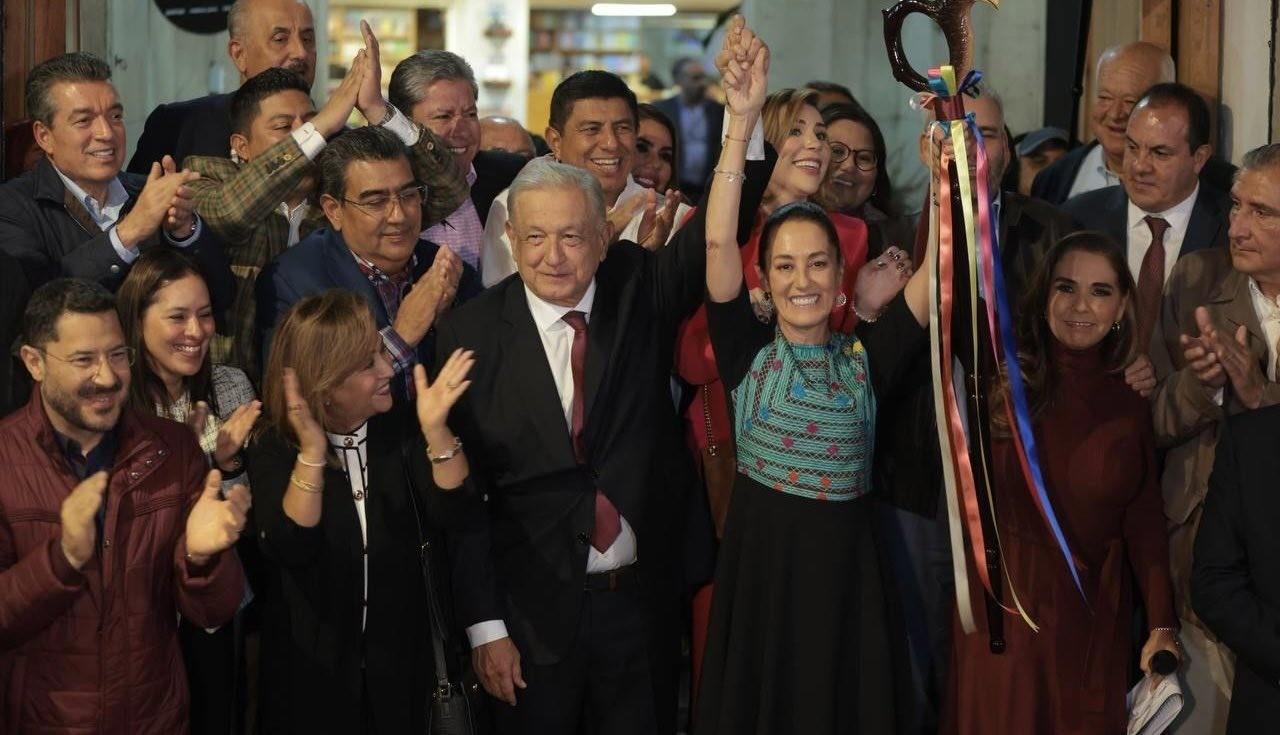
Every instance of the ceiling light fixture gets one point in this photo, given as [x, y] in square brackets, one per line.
[633, 9]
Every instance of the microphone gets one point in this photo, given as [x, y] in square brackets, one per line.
[1164, 663]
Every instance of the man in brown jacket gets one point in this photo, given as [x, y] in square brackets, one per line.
[109, 529]
[1215, 351]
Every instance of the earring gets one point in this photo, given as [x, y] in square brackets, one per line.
[764, 309]
[1116, 326]
[841, 300]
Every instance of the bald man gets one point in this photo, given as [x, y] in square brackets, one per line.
[499, 133]
[1122, 75]
[261, 34]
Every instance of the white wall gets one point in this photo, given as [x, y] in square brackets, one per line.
[1246, 77]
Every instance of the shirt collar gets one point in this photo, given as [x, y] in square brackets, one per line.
[349, 441]
[117, 197]
[472, 176]
[102, 456]
[1097, 160]
[547, 315]
[376, 274]
[1267, 308]
[1177, 216]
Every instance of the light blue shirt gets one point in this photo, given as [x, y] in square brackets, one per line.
[107, 215]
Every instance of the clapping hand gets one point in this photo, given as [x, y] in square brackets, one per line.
[233, 433]
[165, 201]
[370, 100]
[312, 443]
[214, 524]
[880, 280]
[743, 63]
[435, 399]
[79, 509]
[656, 223]
[1233, 355]
[331, 118]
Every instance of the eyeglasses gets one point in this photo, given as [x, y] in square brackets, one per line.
[380, 205]
[865, 160]
[118, 359]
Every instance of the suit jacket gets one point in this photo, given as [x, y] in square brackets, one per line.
[522, 555]
[1108, 210]
[715, 123]
[1235, 584]
[495, 170]
[908, 468]
[322, 261]
[241, 203]
[51, 234]
[195, 127]
[1186, 419]
[1053, 183]
[315, 657]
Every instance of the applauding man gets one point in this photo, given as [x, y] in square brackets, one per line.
[109, 529]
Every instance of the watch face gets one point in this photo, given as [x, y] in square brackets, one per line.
[196, 16]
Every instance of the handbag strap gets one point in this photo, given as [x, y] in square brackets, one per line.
[438, 633]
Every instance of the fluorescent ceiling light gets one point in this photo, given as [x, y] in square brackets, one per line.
[633, 9]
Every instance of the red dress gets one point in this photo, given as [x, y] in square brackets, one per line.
[1098, 459]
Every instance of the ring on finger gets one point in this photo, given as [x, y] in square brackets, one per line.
[897, 255]
[451, 384]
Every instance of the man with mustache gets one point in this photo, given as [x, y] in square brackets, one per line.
[263, 34]
[109, 529]
[1216, 351]
[258, 201]
[374, 203]
[1162, 211]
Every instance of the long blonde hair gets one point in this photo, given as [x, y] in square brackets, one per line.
[324, 338]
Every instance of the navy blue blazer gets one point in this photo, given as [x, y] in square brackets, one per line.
[322, 261]
[1053, 184]
[1107, 210]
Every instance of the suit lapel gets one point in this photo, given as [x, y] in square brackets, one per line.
[600, 337]
[525, 366]
[343, 271]
[1202, 227]
[1117, 217]
[78, 213]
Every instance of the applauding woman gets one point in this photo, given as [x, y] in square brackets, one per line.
[343, 496]
[797, 639]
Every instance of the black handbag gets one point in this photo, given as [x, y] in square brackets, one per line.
[451, 712]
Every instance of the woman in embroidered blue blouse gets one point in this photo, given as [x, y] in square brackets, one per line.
[798, 641]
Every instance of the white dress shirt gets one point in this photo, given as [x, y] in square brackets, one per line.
[1268, 311]
[1178, 216]
[1093, 173]
[351, 451]
[557, 341]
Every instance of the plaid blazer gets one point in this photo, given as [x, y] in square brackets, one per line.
[240, 202]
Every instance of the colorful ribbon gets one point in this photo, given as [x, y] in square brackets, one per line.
[982, 254]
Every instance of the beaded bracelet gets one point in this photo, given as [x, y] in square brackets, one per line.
[732, 176]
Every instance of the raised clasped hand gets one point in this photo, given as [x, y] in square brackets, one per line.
[743, 63]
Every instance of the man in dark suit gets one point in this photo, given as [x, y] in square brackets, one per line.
[698, 120]
[1162, 211]
[76, 214]
[568, 577]
[438, 90]
[1235, 582]
[1123, 74]
[263, 34]
[373, 203]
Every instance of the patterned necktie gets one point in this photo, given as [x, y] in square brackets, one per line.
[608, 523]
[1151, 281]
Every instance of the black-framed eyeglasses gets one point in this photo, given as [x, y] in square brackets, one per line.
[380, 205]
[865, 160]
[118, 359]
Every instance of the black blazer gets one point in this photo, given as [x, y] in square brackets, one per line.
[322, 261]
[715, 123]
[908, 468]
[1053, 183]
[1108, 210]
[196, 127]
[1235, 577]
[495, 170]
[312, 644]
[521, 557]
[51, 234]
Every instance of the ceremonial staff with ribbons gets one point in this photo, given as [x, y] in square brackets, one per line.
[971, 322]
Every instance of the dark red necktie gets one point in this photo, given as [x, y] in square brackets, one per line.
[1151, 281]
[608, 523]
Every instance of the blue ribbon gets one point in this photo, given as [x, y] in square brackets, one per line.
[1022, 414]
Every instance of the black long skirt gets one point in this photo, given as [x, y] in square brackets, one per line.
[798, 641]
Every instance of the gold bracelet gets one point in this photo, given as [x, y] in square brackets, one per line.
[310, 487]
[305, 463]
[732, 176]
